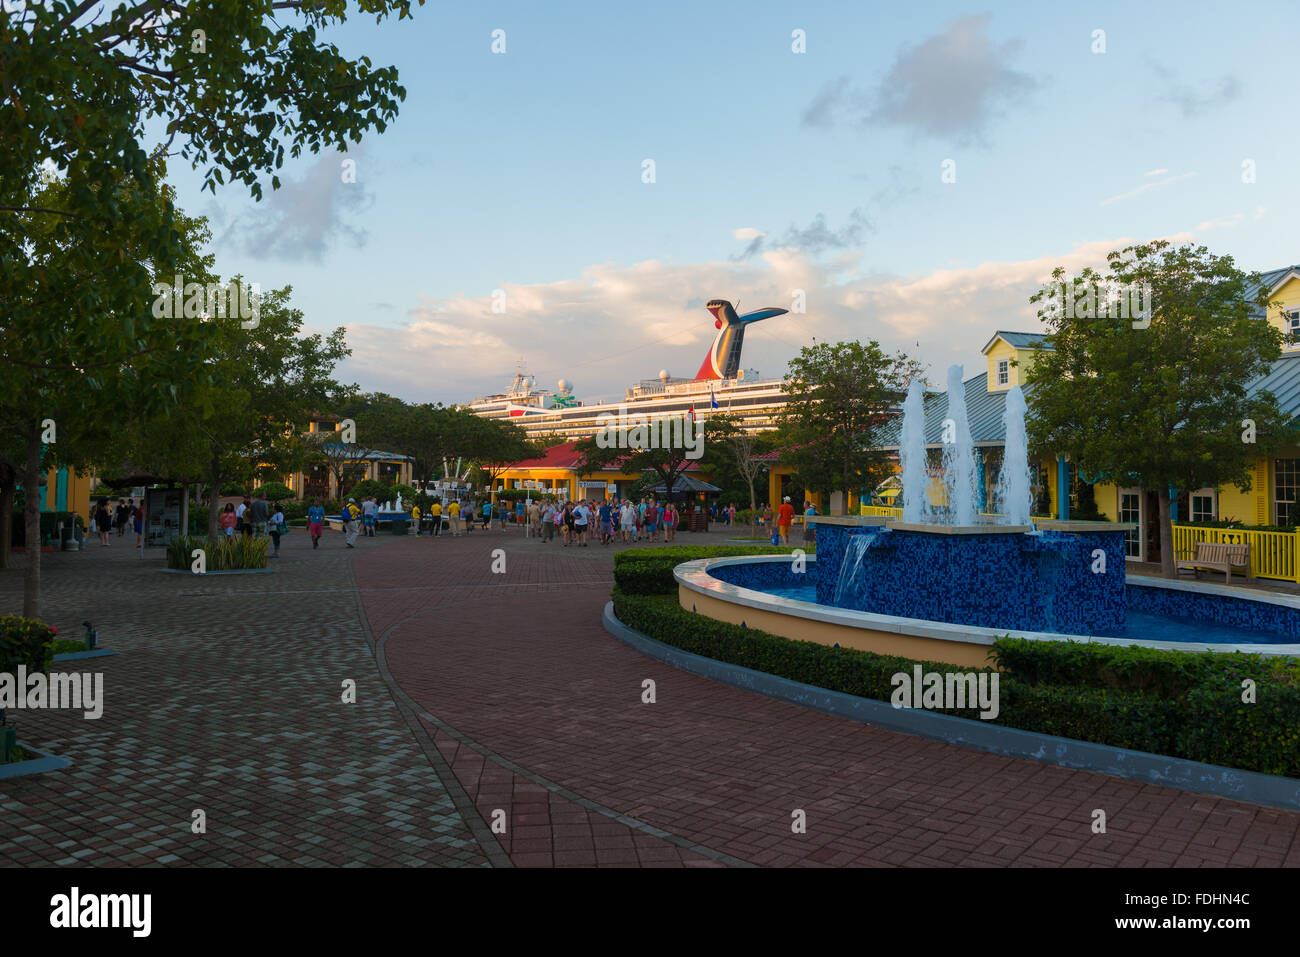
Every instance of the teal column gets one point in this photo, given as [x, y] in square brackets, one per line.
[61, 491]
[1062, 489]
[981, 499]
[1173, 504]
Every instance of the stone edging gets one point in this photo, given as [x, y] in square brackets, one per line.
[227, 571]
[1194, 776]
[83, 655]
[47, 762]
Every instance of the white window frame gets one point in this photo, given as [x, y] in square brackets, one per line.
[1212, 495]
[1141, 556]
[1004, 371]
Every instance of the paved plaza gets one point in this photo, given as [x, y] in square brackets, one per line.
[489, 699]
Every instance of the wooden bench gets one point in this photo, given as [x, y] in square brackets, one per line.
[1216, 557]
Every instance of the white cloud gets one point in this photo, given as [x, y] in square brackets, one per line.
[747, 233]
[1156, 172]
[1145, 187]
[614, 325]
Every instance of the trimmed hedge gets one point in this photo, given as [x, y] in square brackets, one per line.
[1187, 709]
[25, 641]
[649, 571]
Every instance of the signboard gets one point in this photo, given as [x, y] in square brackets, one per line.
[599, 485]
[163, 508]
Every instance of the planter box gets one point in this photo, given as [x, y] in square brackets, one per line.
[44, 762]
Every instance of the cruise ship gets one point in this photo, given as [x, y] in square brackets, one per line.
[721, 386]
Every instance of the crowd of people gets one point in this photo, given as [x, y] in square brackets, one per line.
[106, 519]
[572, 522]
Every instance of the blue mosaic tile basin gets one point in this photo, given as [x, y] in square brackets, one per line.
[1146, 611]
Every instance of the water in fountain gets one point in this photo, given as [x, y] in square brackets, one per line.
[1014, 498]
[958, 454]
[912, 456]
[854, 549]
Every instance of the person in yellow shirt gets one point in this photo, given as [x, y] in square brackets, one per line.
[415, 518]
[453, 517]
[435, 513]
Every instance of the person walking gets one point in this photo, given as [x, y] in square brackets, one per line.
[103, 521]
[137, 522]
[604, 516]
[809, 527]
[548, 522]
[435, 514]
[315, 522]
[276, 527]
[242, 520]
[784, 518]
[670, 520]
[228, 521]
[535, 519]
[581, 519]
[260, 513]
[369, 512]
[453, 518]
[351, 516]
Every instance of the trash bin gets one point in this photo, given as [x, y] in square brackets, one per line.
[67, 537]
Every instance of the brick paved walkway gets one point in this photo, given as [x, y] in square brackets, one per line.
[226, 697]
[537, 708]
[485, 697]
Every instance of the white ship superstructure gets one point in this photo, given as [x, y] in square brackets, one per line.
[721, 386]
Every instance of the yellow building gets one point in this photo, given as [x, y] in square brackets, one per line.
[559, 471]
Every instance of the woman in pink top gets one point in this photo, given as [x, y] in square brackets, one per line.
[227, 520]
[670, 519]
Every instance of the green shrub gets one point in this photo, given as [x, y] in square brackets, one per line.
[399, 526]
[233, 488]
[49, 526]
[1162, 672]
[649, 571]
[224, 554]
[275, 491]
[25, 641]
[1163, 702]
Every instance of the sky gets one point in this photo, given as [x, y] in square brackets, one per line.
[519, 178]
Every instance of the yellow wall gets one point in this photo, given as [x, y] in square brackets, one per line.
[1020, 360]
[1289, 294]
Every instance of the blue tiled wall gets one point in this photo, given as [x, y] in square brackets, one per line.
[1042, 582]
[1056, 603]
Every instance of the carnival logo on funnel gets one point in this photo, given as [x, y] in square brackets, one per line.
[636, 432]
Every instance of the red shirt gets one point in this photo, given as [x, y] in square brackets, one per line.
[785, 514]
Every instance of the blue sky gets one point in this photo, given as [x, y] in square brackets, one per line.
[774, 170]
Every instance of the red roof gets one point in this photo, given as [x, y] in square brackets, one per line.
[566, 456]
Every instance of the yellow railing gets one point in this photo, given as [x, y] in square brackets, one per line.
[1272, 554]
[882, 510]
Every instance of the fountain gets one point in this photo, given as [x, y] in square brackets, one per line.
[958, 454]
[943, 583]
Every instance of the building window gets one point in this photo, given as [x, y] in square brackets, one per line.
[1286, 479]
[1130, 510]
[1293, 322]
[1004, 371]
[1203, 507]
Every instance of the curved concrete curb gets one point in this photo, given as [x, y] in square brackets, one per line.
[1141, 766]
[228, 571]
[46, 762]
[83, 655]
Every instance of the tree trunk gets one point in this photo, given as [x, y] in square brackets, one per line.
[214, 500]
[185, 508]
[32, 516]
[8, 487]
[1166, 536]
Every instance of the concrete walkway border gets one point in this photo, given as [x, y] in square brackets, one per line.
[1233, 783]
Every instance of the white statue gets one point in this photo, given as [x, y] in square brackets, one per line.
[399, 501]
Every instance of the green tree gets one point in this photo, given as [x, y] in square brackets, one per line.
[494, 446]
[665, 456]
[237, 88]
[839, 396]
[731, 450]
[1162, 406]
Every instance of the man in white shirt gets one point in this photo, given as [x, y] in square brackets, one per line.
[581, 516]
